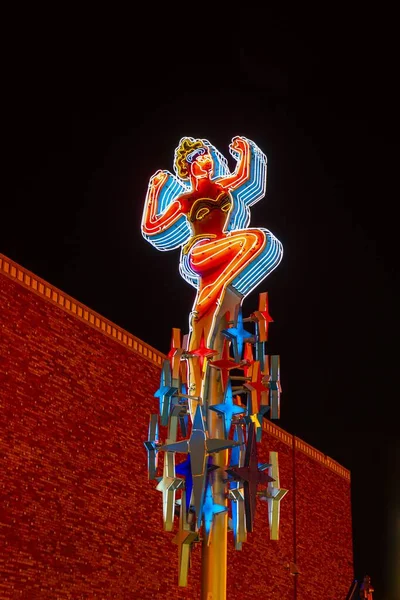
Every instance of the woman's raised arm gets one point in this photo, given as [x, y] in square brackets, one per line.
[163, 223]
[248, 182]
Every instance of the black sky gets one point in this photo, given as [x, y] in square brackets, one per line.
[86, 125]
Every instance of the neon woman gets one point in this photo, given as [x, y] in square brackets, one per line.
[204, 209]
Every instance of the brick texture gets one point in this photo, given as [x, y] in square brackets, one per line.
[79, 519]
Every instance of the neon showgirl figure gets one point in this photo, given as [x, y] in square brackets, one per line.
[205, 210]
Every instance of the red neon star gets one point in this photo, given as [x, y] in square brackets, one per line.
[263, 307]
[263, 313]
[224, 364]
[202, 351]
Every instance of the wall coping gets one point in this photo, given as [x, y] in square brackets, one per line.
[48, 292]
[302, 446]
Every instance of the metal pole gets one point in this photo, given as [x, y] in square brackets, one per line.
[214, 555]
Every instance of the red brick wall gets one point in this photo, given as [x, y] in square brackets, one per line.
[263, 561]
[323, 531]
[79, 520]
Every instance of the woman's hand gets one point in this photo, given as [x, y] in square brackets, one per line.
[158, 178]
[239, 144]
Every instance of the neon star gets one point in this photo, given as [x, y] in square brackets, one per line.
[210, 508]
[228, 409]
[262, 317]
[199, 446]
[202, 351]
[251, 477]
[224, 364]
[237, 334]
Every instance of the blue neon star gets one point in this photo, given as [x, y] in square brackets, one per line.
[228, 408]
[237, 334]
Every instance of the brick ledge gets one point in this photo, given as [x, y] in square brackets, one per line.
[288, 439]
[40, 287]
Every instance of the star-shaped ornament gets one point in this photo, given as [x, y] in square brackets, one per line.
[251, 476]
[210, 508]
[237, 335]
[202, 351]
[224, 364]
[228, 409]
[199, 446]
[262, 317]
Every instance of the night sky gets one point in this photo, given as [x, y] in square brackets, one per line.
[87, 124]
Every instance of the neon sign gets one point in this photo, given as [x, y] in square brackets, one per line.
[205, 210]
